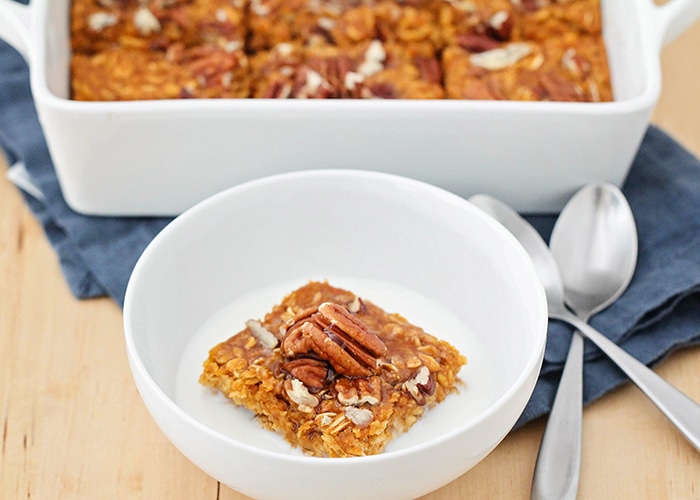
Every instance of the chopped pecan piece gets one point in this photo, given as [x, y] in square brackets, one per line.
[300, 395]
[501, 25]
[354, 392]
[429, 69]
[361, 417]
[577, 65]
[420, 385]
[501, 57]
[476, 42]
[381, 90]
[559, 88]
[262, 334]
[355, 305]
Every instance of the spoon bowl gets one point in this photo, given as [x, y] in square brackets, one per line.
[594, 243]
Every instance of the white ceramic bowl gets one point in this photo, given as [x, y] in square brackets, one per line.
[160, 158]
[407, 246]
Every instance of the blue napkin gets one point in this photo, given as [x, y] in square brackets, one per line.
[659, 312]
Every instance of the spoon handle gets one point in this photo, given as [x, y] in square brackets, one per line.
[682, 411]
[558, 464]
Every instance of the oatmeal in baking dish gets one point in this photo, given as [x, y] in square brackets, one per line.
[536, 50]
[333, 373]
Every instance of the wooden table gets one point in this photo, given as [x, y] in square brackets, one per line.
[73, 425]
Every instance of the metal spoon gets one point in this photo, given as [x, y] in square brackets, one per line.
[682, 411]
[594, 243]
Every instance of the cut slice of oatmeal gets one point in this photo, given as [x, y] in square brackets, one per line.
[334, 374]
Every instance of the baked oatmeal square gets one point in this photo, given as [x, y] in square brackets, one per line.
[98, 25]
[477, 23]
[125, 74]
[555, 19]
[333, 373]
[343, 23]
[569, 68]
[365, 71]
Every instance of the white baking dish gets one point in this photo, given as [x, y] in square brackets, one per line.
[161, 157]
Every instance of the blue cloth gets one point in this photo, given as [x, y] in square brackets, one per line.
[659, 312]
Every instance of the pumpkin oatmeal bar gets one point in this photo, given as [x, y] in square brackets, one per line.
[369, 70]
[333, 373]
[525, 50]
[342, 22]
[154, 25]
[198, 72]
[571, 68]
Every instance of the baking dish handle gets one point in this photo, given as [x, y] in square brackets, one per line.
[15, 21]
[674, 17]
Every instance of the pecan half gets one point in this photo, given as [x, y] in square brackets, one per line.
[295, 343]
[355, 329]
[326, 347]
[334, 334]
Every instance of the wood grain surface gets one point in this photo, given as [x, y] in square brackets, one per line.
[73, 425]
